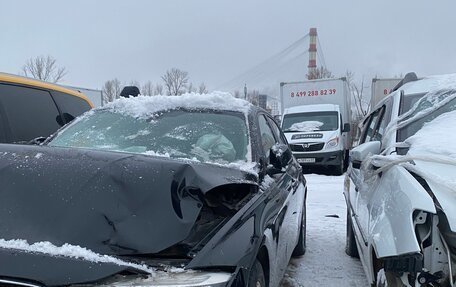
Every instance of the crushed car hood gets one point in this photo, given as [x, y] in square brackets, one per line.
[441, 179]
[111, 203]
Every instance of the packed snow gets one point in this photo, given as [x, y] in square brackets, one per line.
[70, 251]
[325, 262]
[307, 126]
[436, 137]
[144, 107]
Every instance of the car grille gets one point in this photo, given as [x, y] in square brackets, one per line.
[307, 147]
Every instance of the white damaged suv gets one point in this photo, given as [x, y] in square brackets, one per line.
[400, 188]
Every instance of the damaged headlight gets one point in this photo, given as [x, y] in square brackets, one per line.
[175, 279]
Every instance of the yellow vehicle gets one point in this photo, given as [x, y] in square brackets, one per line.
[32, 109]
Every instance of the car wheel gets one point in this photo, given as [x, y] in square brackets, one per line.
[388, 279]
[350, 248]
[257, 278]
[300, 248]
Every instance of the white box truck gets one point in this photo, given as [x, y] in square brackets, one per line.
[381, 88]
[316, 119]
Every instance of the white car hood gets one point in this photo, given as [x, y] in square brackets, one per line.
[441, 178]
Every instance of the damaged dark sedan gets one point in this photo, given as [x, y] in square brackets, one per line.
[197, 190]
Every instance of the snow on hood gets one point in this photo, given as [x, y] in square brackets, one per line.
[145, 106]
[307, 126]
[68, 250]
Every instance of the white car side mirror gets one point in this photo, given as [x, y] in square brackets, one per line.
[360, 153]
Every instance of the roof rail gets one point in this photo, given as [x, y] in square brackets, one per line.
[409, 77]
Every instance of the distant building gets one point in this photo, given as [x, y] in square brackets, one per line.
[262, 101]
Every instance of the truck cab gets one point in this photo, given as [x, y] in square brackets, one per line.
[317, 135]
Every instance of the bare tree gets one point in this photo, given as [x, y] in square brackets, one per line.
[44, 68]
[175, 81]
[319, 73]
[147, 89]
[158, 90]
[362, 104]
[135, 83]
[202, 89]
[191, 89]
[111, 90]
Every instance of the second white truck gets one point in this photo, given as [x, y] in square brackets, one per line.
[316, 117]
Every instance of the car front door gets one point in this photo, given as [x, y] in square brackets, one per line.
[363, 178]
[281, 188]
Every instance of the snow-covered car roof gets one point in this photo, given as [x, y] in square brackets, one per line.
[430, 84]
[145, 106]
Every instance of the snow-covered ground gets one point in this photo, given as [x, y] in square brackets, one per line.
[325, 262]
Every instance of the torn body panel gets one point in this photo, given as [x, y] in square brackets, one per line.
[116, 204]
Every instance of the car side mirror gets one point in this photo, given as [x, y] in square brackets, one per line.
[346, 128]
[361, 152]
[279, 157]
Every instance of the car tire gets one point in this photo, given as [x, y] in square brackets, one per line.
[300, 248]
[257, 277]
[388, 279]
[350, 248]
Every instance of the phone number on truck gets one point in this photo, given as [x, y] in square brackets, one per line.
[313, 93]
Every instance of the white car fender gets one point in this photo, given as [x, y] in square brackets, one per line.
[391, 226]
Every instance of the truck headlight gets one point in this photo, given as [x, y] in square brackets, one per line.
[187, 278]
[333, 142]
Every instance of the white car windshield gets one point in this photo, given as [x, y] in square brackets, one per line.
[202, 135]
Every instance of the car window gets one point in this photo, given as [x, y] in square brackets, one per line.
[70, 106]
[30, 113]
[371, 127]
[277, 132]
[380, 126]
[267, 136]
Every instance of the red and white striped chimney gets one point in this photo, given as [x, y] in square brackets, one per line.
[312, 51]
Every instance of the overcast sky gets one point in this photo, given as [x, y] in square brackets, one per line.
[216, 41]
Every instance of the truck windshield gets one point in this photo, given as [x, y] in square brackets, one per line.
[310, 122]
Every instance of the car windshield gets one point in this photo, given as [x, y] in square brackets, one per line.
[201, 135]
[309, 122]
[418, 109]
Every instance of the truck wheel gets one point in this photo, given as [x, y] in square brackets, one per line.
[388, 279]
[339, 169]
[350, 248]
[300, 248]
[257, 278]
